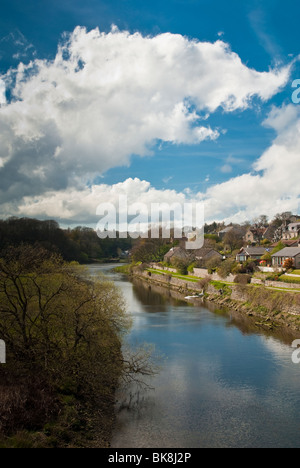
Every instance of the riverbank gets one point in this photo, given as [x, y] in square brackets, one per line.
[64, 361]
[271, 307]
[78, 425]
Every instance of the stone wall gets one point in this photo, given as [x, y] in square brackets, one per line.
[200, 272]
[238, 293]
[275, 284]
[156, 266]
[203, 273]
[169, 282]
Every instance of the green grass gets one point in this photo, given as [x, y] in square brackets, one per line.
[192, 279]
[284, 289]
[125, 269]
[226, 285]
[222, 285]
[289, 279]
[296, 272]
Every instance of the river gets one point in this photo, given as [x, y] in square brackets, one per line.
[223, 382]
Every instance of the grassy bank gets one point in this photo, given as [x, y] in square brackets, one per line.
[270, 306]
[124, 269]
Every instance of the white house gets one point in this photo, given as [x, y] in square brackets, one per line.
[292, 231]
[280, 257]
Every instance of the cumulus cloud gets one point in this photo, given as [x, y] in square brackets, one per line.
[105, 97]
[73, 205]
[2, 93]
[272, 187]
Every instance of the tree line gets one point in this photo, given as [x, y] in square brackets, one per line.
[80, 244]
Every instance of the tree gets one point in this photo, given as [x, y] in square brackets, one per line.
[280, 218]
[181, 265]
[53, 321]
[267, 257]
[213, 263]
[233, 241]
[63, 333]
[262, 221]
[151, 250]
[226, 267]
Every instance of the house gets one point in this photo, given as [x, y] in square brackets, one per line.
[291, 231]
[177, 253]
[280, 257]
[269, 233]
[203, 254]
[282, 231]
[206, 253]
[255, 234]
[251, 253]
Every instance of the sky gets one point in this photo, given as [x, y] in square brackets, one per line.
[180, 100]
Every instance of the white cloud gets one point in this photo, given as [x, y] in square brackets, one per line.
[229, 162]
[107, 96]
[226, 169]
[272, 187]
[2, 93]
[81, 205]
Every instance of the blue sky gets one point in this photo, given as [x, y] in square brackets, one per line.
[263, 34]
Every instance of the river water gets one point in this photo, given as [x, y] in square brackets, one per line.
[224, 382]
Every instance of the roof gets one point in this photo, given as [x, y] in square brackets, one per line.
[257, 229]
[287, 243]
[205, 251]
[290, 252]
[225, 230]
[253, 251]
[270, 231]
[177, 252]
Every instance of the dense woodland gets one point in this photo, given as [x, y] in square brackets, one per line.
[80, 244]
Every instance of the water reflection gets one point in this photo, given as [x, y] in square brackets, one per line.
[225, 382]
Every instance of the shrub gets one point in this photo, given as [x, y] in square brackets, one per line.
[212, 264]
[181, 266]
[242, 279]
[249, 266]
[236, 269]
[226, 267]
[26, 401]
[191, 268]
[273, 277]
[289, 264]
[203, 283]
